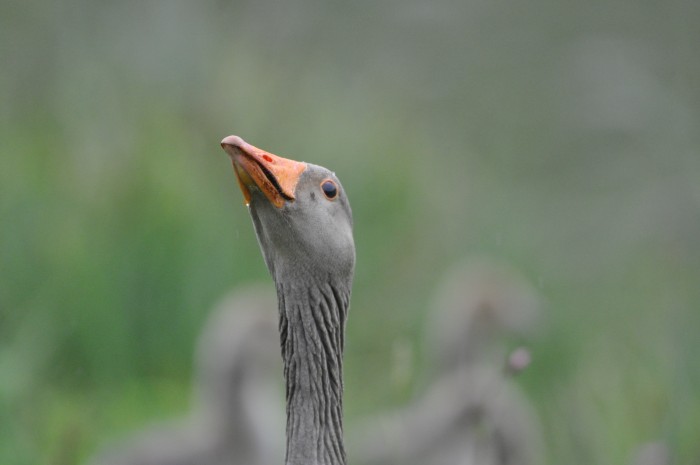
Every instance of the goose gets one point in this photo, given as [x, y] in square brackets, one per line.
[234, 420]
[303, 223]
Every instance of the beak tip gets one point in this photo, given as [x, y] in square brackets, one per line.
[234, 141]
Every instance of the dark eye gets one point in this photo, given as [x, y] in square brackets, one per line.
[329, 189]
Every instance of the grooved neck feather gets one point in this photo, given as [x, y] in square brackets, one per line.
[312, 324]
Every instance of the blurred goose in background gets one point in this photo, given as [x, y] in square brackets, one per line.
[471, 413]
[237, 417]
[478, 305]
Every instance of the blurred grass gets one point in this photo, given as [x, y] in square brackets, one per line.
[559, 137]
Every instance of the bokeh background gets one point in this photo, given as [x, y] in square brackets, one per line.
[560, 137]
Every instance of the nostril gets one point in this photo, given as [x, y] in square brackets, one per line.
[267, 158]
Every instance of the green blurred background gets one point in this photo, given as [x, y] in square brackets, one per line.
[559, 136]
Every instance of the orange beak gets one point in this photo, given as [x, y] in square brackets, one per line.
[276, 177]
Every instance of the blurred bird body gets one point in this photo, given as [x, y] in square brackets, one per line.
[470, 413]
[236, 416]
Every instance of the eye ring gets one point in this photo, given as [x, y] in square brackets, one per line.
[329, 189]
